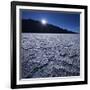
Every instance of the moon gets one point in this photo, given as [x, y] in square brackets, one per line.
[43, 21]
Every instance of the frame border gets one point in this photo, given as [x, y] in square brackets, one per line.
[13, 44]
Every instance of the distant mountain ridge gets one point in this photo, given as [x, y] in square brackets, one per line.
[32, 26]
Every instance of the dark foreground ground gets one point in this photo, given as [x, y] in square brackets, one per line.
[49, 55]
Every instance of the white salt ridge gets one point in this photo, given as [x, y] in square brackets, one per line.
[50, 55]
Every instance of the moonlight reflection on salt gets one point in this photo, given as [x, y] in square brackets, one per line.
[49, 55]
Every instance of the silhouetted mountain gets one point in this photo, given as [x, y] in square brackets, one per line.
[32, 26]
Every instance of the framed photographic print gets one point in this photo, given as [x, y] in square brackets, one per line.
[48, 44]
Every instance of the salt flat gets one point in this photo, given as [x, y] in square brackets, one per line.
[49, 55]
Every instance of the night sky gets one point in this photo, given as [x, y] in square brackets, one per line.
[65, 20]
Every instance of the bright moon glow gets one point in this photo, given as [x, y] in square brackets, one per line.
[43, 21]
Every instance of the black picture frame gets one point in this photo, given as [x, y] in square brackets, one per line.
[14, 84]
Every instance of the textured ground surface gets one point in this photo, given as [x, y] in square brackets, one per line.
[50, 55]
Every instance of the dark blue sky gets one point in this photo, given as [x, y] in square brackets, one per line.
[66, 20]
